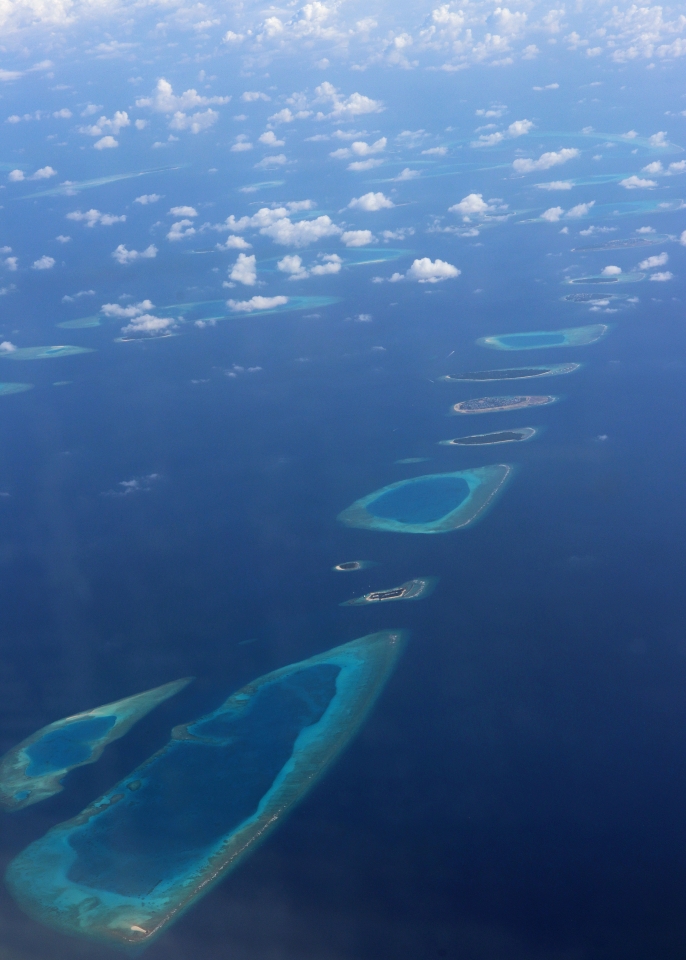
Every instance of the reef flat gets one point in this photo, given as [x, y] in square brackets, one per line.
[81, 323]
[499, 404]
[594, 297]
[629, 243]
[138, 857]
[43, 353]
[485, 439]
[540, 339]
[436, 503]
[633, 277]
[34, 769]
[349, 566]
[416, 589]
[513, 373]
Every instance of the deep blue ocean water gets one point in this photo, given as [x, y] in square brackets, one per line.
[519, 790]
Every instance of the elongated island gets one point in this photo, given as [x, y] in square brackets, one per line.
[137, 858]
[499, 404]
[416, 589]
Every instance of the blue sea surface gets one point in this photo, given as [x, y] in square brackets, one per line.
[67, 746]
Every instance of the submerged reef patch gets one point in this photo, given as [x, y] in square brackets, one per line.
[540, 339]
[485, 439]
[34, 769]
[7, 388]
[43, 353]
[135, 859]
[436, 503]
[499, 404]
[416, 589]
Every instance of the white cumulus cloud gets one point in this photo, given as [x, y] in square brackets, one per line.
[660, 277]
[43, 263]
[244, 270]
[552, 214]
[659, 260]
[431, 271]
[256, 303]
[371, 202]
[183, 212]
[106, 143]
[180, 230]
[126, 313]
[301, 233]
[357, 238]
[547, 160]
[147, 198]
[93, 217]
[124, 256]
[637, 183]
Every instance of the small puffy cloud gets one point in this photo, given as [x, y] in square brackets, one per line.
[471, 205]
[270, 139]
[331, 263]
[15, 176]
[267, 163]
[637, 183]
[682, 238]
[106, 143]
[77, 296]
[653, 168]
[408, 174]
[119, 120]
[357, 238]
[141, 124]
[611, 271]
[256, 303]
[124, 256]
[345, 108]
[549, 86]
[555, 185]
[43, 174]
[183, 212]
[658, 139]
[11, 264]
[244, 270]
[43, 263]
[63, 114]
[233, 242]
[431, 271]
[364, 149]
[180, 230]
[547, 160]
[93, 217]
[149, 325]
[292, 264]
[371, 202]
[661, 277]
[7, 347]
[231, 37]
[519, 128]
[164, 100]
[147, 198]
[580, 210]
[678, 167]
[552, 214]
[359, 165]
[659, 260]
[436, 151]
[251, 95]
[400, 234]
[242, 144]
[126, 313]
[196, 122]
[283, 116]
[62, 239]
[302, 233]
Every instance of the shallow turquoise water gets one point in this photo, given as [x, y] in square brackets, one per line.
[422, 501]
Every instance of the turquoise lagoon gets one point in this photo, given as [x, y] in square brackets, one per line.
[540, 339]
[436, 503]
[139, 856]
[43, 353]
[34, 769]
[7, 388]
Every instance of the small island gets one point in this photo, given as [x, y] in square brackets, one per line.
[416, 589]
[436, 503]
[34, 769]
[499, 404]
[512, 373]
[540, 339]
[134, 860]
[348, 566]
[517, 435]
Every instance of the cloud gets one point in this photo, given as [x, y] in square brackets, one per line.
[196, 123]
[147, 324]
[553, 214]
[244, 270]
[302, 233]
[519, 128]
[267, 163]
[77, 296]
[7, 347]
[119, 120]
[555, 185]
[659, 260]
[545, 161]
[658, 139]
[293, 265]
[331, 263]
[183, 212]
[345, 108]
[682, 238]
[611, 271]
[359, 165]
[147, 198]
[11, 264]
[269, 138]
[62, 239]
[241, 145]
[653, 168]
[637, 183]
[516, 129]
[43, 263]
[408, 174]
[471, 205]
[92, 217]
[371, 202]
[256, 303]
[428, 271]
[233, 242]
[580, 210]
[127, 313]
[436, 151]
[15, 176]
[251, 95]
[44, 173]
[124, 256]
[398, 234]
[357, 238]
[180, 230]
[164, 100]
[105, 143]
[661, 277]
